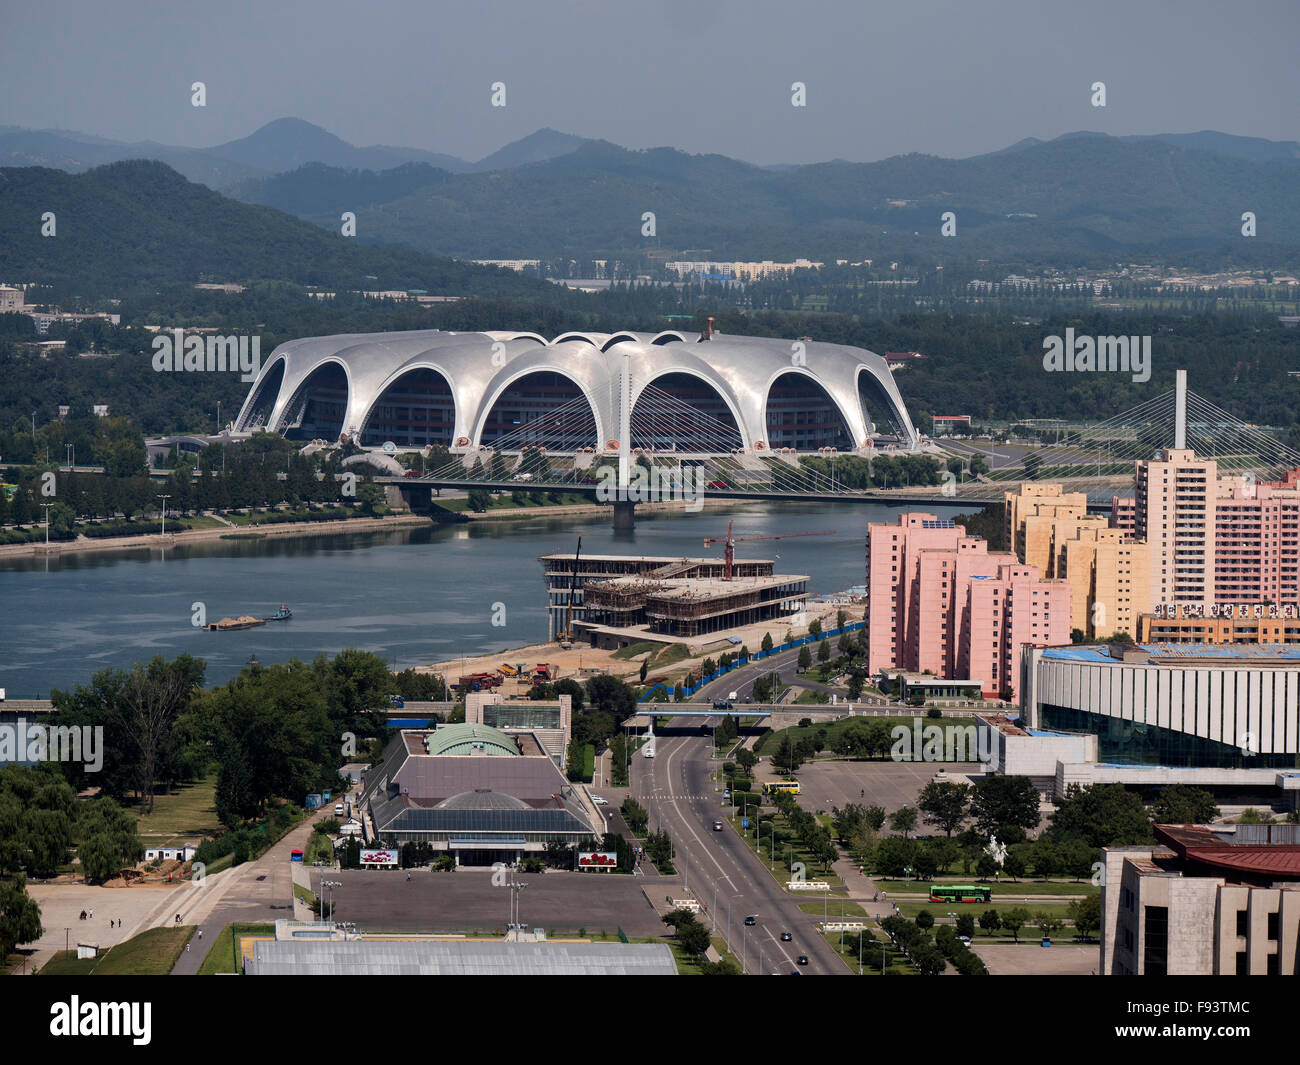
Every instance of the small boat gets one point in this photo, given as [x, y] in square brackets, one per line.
[283, 614]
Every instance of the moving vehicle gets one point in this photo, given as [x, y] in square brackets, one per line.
[791, 787]
[599, 801]
[295, 856]
[721, 704]
[283, 614]
[960, 893]
[717, 826]
[397, 702]
[786, 937]
[751, 919]
[802, 959]
[338, 809]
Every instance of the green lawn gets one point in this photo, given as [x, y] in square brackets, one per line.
[675, 652]
[895, 964]
[189, 811]
[770, 741]
[221, 956]
[634, 650]
[939, 910]
[152, 953]
[838, 908]
[1006, 888]
[784, 852]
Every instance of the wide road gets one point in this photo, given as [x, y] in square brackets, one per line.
[786, 664]
[719, 868]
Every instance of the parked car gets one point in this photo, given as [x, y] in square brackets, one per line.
[599, 801]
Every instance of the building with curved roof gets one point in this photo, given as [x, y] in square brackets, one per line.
[465, 390]
[470, 739]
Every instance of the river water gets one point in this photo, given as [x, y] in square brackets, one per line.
[414, 596]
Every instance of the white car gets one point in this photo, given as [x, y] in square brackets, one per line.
[599, 801]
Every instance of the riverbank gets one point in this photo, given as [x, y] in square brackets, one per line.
[300, 529]
[85, 545]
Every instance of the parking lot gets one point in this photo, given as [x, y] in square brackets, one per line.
[891, 785]
[467, 901]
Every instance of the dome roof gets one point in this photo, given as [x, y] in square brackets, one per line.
[482, 799]
[463, 738]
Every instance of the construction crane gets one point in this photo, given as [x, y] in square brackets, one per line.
[729, 552]
[566, 641]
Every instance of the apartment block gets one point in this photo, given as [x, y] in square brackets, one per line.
[938, 600]
[1175, 514]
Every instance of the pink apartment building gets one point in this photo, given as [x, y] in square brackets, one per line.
[1225, 539]
[938, 600]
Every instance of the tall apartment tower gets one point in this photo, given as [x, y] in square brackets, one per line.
[1175, 515]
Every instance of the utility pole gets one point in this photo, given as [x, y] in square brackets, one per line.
[164, 499]
[47, 523]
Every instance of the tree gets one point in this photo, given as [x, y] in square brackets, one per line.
[1046, 923]
[929, 960]
[109, 840]
[903, 820]
[1014, 920]
[815, 629]
[966, 925]
[823, 650]
[944, 804]
[925, 920]
[1033, 463]
[645, 667]
[20, 916]
[1014, 865]
[1181, 804]
[990, 921]
[479, 500]
[999, 801]
[1085, 913]
[767, 643]
[805, 658]
[1102, 815]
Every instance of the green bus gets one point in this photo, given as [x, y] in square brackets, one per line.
[960, 893]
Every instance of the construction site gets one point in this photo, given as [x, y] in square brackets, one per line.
[613, 601]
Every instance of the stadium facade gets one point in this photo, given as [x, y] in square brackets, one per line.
[465, 390]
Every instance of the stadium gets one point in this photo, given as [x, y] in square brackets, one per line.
[709, 393]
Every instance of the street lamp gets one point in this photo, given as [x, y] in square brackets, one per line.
[164, 499]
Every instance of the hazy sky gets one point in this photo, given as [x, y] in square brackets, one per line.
[946, 77]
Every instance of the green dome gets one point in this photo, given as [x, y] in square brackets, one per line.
[470, 739]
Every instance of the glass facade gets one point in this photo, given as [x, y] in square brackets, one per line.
[1137, 743]
[522, 715]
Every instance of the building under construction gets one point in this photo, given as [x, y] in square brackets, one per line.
[566, 579]
[618, 599]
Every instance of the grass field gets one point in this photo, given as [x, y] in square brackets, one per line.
[221, 956]
[152, 953]
[635, 650]
[189, 811]
[873, 957]
[1009, 888]
[838, 908]
[940, 910]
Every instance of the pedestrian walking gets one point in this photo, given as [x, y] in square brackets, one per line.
[200, 933]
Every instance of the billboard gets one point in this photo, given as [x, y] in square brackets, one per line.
[597, 860]
[379, 856]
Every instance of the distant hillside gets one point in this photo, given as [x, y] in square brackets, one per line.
[535, 148]
[282, 145]
[1077, 199]
[139, 222]
[288, 143]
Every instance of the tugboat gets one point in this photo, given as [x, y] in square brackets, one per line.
[283, 614]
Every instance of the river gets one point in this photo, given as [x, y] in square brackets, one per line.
[414, 596]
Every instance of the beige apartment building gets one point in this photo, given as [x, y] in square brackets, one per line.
[1108, 572]
[1175, 515]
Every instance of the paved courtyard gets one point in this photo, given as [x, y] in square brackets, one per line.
[1030, 959]
[467, 901]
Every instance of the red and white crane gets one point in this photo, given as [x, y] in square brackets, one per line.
[729, 552]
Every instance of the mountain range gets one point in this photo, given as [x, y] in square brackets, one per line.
[1082, 199]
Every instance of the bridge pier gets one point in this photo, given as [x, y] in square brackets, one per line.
[624, 515]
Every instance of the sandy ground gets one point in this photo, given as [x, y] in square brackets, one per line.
[581, 661]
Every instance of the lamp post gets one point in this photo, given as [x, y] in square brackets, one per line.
[46, 507]
[164, 499]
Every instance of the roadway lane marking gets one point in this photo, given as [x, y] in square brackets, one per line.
[708, 851]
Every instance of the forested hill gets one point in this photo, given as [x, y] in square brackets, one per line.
[1078, 200]
[136, 223]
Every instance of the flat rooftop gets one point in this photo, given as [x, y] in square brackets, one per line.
[1172, 653]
